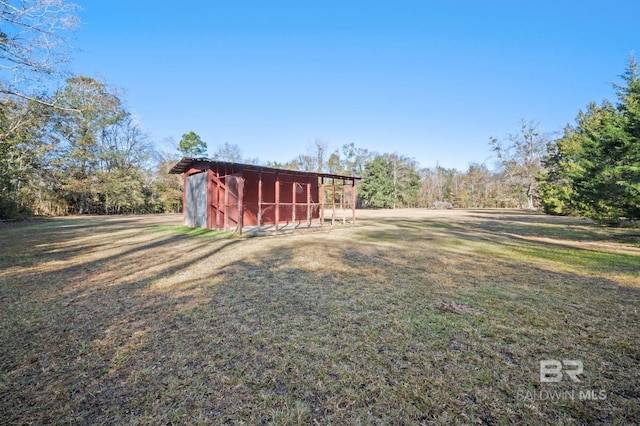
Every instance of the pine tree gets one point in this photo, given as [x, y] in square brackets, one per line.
[390, 181]
[377, 187]
[191, 145]
[594, 169]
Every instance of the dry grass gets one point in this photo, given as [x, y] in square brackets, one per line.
[410, 317]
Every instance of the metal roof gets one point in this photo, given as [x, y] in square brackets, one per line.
[186, 163]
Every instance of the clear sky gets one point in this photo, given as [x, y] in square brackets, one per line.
[431, 80]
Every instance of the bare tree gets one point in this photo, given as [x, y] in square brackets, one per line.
[354, 159]
[315, 160]
[228, 152]
[318, 152]
[33, 43]
[520, 159]
[125, 145]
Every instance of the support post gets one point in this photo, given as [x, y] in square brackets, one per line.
[240, 183]
[226, 205]
[333, 201]
[259, 199]
[210, 205]
[344, 207]
[353, 200]
[308, 203]
[216, 191]
[219, 207]
[293, 204]
[277, 212]
[322, 197]
[184, 201]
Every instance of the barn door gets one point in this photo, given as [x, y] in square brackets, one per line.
[196, 202]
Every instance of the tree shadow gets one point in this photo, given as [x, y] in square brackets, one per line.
[400, 323]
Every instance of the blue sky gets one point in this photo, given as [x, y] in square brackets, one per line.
[431, 80]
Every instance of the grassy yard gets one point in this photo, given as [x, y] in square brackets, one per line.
[409, 317]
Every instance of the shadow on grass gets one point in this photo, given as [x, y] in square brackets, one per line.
[66, 323]
[538, 238]
[298, 329]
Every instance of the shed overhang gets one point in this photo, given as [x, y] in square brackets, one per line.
[230, 168]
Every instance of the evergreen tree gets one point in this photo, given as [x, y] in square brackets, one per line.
[390, 181]
[377, 187]
[628, 167]
[563, 167]
[597, 182]
[594, 169]
[191, 145]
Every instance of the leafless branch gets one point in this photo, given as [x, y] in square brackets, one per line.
[39, 101]
[33, 42]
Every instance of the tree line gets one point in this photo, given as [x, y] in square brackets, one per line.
[77, 149]
[392, 180]
[86, 155]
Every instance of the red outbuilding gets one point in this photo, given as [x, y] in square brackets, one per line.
[231, 196]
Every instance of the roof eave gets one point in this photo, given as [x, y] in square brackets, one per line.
[183, 165]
